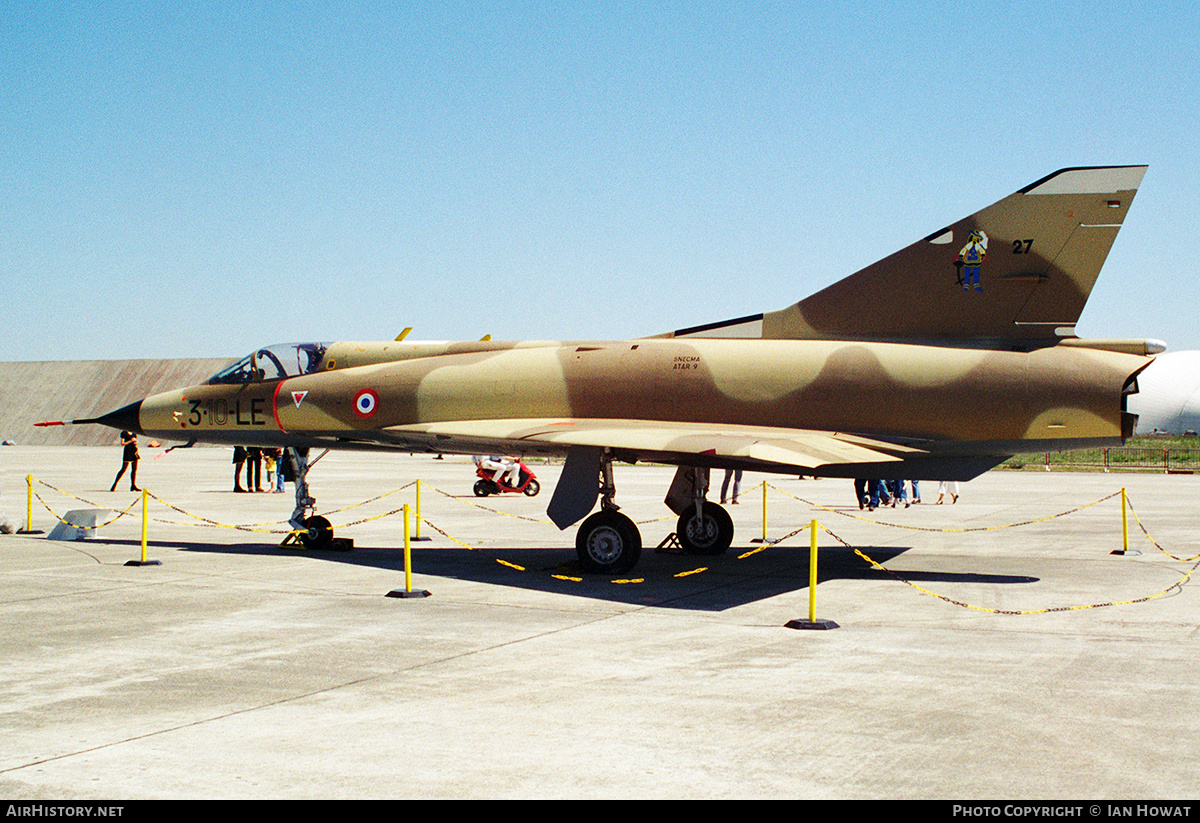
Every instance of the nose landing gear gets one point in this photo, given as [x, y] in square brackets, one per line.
[313, 531]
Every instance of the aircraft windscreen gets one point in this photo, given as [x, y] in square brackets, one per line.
[273, 363]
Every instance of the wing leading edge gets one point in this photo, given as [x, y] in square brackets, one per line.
[662, 441]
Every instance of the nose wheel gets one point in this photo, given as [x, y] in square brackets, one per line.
[317, 534]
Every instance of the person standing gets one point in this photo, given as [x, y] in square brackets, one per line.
[254, 456]
[239, 460]
[736, 475]
[270, 458]
[129, 460]
[283, 469]
[950, 486]
[879, 494]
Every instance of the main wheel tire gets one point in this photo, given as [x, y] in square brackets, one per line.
[710, 534]
[319, 534]
[532, 488]
[608, 542]
[481, 488]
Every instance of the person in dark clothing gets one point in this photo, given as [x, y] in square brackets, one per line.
[254, 469]
[129, 460]
[239, 460]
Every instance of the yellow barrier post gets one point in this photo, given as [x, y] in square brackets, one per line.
[407, 553]
[1124, 522]
[1125, 528]
[417, 536]
[407, 591]
[29, 529]
[812, 572]
[763, 539]
[145, 527]
[812, 622]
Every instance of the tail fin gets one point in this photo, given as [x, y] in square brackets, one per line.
[1017, 273]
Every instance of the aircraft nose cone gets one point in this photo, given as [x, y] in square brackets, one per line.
[124, 418]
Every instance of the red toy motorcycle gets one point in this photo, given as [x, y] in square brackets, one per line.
[527, 483]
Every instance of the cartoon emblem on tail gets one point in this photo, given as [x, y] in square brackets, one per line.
[970, 258]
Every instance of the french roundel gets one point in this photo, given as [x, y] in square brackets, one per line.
[365, 402]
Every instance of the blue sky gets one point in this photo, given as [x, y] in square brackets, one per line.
[198, 179]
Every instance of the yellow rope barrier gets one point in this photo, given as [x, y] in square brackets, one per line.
[566, 577]
[120, 514]
[949, 531]
[1176, 586]
[488, 508]
[1154, 542]
[217, 523]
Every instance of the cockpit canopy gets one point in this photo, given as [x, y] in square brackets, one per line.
[274, 363]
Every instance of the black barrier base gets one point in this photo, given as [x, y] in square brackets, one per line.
[143, 563]
[405, 595]
[816, 624]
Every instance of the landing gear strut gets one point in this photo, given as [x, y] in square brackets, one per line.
[608, 542]
[315, 531]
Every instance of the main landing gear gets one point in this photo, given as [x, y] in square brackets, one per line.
[703, 527]
[608, 542]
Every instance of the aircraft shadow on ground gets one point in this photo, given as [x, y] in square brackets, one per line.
[660, 579]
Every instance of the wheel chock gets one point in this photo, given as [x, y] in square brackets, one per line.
[670, 545]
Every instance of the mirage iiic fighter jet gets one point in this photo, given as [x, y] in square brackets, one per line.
[937, 362]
